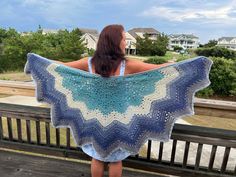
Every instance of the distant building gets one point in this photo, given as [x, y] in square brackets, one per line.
[25, 33]
[227, 42]
[132, 35]
[90, 37]
[49, 31]
[130, 44]
[151, 32]
[185, 41]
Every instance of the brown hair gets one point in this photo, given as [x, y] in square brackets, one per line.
[108, 54]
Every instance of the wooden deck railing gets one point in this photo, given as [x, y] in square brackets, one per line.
[28, 128]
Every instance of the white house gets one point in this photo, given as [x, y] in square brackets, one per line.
[51, 31]
[227, 42]
[90, 37]
[130, 44]
[132, 34]
[151, 32]
[185, 41]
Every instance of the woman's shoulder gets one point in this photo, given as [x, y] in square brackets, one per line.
[135, 65]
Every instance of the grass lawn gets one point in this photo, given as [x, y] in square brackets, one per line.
[170, 56]
[15, 76]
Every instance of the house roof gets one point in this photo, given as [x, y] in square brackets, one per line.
[90, 31]
[182, 35]
[226, 38]
[142, 30]
[50, 31]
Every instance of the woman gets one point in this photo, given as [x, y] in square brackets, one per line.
[109, 60]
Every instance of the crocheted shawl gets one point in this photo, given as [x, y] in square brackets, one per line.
[119, 111]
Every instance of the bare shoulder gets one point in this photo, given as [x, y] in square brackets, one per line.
[135, 65]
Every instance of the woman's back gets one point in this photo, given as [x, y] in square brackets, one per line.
[120, 71]
[132, 66]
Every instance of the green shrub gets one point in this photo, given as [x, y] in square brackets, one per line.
[156, 60]
[222, 77]
[147, 47]
[177, 48]
[216, 52]
[205, 93]
[63, 45]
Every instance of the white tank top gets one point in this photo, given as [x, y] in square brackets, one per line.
[122, 67]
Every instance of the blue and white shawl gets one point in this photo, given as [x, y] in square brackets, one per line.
[119, 111]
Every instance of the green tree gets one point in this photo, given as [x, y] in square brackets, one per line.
[143, 45]
[148, 47]
[177, 48]
[159, 46]
[222, 77]
[211, 43]
[64, 45]
[216, 52]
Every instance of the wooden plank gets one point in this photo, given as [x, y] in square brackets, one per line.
[204, 140]
[171, 170]
[212, 157]
[173, 152]
[52, 150]
[28, 131]
[151, 165]
[24, 112]
[1, 128]
[225, 159]
[215, 112]
[17, 91]
[58, 137]
[9, 127]
[47, 129]
[68, 138]
[38, 132]
[198, 156]
[186, 151]
[209, 103]
[160, 151]
[204, 131]
[19, 132]
[149, 149]
[23, 165]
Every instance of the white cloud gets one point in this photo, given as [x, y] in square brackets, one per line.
[211, 12]
[60, 12]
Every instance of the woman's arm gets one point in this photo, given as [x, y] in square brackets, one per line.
[139, 66]
[79, 64]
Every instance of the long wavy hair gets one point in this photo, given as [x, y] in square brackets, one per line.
[108, 54]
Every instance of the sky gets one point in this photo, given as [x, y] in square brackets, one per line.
[207, 19]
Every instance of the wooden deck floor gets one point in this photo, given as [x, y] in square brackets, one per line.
[14, 164]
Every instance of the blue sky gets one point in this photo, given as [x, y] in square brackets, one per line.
[207, 19]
